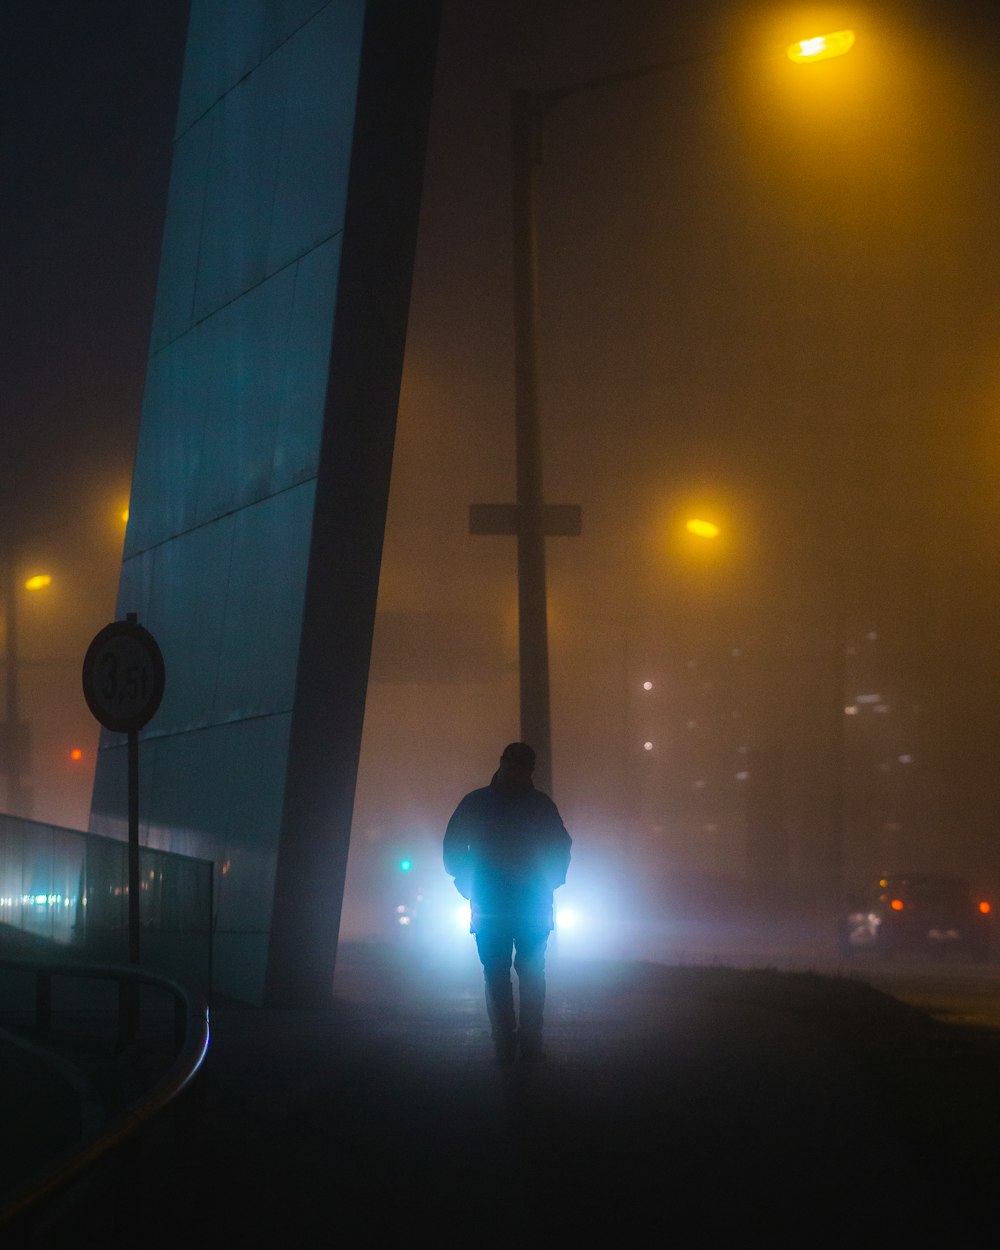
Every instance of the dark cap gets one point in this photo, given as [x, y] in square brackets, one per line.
[519, 754]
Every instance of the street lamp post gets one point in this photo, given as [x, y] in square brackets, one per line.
[14, 732]
[531, 520]
[526, 141]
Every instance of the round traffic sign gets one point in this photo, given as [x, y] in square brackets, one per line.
[123, 676]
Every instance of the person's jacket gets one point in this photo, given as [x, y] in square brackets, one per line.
[508, 850]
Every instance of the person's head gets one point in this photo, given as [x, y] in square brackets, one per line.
[517, 762]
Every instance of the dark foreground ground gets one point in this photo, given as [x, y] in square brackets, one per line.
[697, 1106]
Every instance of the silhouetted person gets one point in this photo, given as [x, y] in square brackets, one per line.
[508, 850]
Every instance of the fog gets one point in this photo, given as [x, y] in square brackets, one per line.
[767, 299]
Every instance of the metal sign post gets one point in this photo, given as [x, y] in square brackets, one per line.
[123, 681]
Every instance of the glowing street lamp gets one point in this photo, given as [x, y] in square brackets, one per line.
[38, 582]
[531, 519]
[821, 47]
[703, 529]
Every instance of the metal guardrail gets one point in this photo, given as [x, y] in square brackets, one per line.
[69, 890]
[191, 1040]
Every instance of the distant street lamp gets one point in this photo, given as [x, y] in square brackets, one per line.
[530, 519]
[821, 47]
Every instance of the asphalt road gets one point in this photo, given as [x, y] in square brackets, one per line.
[697, 1105]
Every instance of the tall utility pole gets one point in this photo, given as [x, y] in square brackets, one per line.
[526, 143]
[531, 520]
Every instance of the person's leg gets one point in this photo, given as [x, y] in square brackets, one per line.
[529, 963]
[495, 944]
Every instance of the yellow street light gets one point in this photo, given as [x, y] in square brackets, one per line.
[704, 529]
[821, 47]
[38, 582]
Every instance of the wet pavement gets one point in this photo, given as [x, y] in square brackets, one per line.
[703, 1105]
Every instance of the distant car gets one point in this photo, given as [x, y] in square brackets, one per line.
[920, 914]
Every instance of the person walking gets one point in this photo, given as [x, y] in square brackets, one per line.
[508, 851]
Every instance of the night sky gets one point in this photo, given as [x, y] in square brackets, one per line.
[769, 295]
[89, 97]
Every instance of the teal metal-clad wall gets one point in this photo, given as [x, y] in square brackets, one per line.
[298, 157]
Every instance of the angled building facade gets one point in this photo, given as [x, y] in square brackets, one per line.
[262, 470]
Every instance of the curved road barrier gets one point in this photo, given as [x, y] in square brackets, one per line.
[190, 1045]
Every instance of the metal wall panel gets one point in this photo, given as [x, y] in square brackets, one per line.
[262, 618]
[246, 342]
[174, 310]
[224, 44]
[310, 191]
[307, 360]
[247, 126]
[284, 17]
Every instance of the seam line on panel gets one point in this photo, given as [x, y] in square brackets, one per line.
[160, 735]
[253, 69]
[256, 286]
[141, 551]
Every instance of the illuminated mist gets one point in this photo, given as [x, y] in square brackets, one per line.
[765, 307]
[767, 304]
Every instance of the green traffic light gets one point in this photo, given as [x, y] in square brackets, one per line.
[406, 864]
